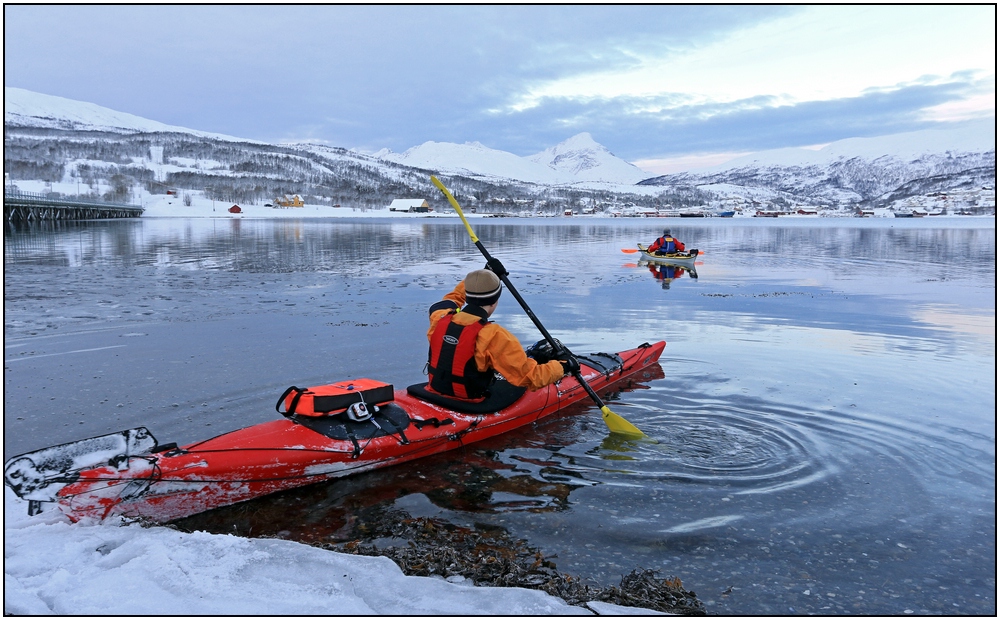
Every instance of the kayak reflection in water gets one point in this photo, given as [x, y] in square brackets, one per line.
[668, 273]
[467, 350]
[666, 244]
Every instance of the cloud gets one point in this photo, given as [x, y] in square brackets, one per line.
[755, 124]
[648, 81]
[813, 53]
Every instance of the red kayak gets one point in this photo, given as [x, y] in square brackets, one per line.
[320, 437]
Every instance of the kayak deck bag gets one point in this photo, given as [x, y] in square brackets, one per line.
[334, 398]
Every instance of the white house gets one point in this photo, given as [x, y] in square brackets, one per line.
[410, 205]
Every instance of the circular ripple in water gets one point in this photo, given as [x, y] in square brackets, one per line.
[743, 450]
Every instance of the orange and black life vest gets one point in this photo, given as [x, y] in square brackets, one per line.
[452, 367]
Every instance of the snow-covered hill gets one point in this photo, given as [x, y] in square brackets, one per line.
[71, 148]
[471, 159]
[577, 160]
[972, 137]
[29, 109]
[873, 171]
[61, 144]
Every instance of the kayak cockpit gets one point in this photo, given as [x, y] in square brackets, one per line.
[501, 395]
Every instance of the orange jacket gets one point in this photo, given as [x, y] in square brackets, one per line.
[500, 350]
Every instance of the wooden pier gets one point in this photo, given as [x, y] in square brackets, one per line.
[29, 207]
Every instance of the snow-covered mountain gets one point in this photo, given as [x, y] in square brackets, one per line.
[584, 159]
[971, 137]
[29, 109]
[53, 144]
[576, 160]
[53, 140]
[876, 171]
[471, 159]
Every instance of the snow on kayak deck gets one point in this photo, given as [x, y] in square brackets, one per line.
[54, 567]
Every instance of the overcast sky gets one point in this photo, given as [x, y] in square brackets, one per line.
[661, 86]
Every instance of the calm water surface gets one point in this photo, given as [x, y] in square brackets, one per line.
[824, 414]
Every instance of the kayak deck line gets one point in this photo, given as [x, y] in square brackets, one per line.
[128, 474]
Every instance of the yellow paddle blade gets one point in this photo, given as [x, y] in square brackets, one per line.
[454, 203]
[619, 425]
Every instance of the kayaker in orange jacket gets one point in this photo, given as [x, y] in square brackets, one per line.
[494, 348]
[667, 244]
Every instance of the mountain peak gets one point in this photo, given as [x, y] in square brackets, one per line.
[578, 159]
[587, 160]
[574, 160]
[582, 140]
[578, 143]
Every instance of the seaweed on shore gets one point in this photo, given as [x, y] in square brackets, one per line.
[488, 556]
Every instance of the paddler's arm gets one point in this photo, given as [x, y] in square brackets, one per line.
[502, 352]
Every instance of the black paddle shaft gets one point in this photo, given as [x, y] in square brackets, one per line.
[497, 267]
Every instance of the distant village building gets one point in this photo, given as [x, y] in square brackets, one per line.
[289, 201]
[410, 205]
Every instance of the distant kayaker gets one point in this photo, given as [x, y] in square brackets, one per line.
[466, 348]
[667, 244]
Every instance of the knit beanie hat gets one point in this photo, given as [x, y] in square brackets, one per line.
[482, 287]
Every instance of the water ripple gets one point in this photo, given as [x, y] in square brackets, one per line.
[747, 451]
[751, 447]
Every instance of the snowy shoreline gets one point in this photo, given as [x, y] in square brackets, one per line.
[167, 206]
[54, 567]
[172, 207]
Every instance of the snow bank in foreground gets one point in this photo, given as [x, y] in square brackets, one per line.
[54, 567]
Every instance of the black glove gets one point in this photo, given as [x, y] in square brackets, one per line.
[569, 362]
[496, 267]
